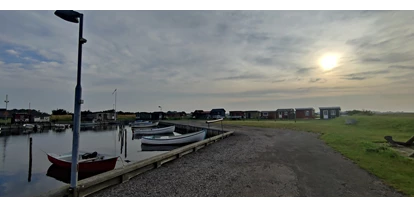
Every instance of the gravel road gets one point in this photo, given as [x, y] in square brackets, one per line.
[257, 162]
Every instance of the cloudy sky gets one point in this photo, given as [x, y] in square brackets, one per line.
[188, 60]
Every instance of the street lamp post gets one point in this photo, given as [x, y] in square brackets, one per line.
[75, 17]
[115, 91]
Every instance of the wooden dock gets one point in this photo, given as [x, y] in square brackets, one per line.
[96, 183]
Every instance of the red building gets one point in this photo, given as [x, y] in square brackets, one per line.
[21, 118]
[268, 114]
[237, 115]
[305, 113]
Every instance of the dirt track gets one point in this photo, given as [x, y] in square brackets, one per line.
[257, 162]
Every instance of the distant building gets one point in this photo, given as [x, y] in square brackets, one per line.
[217, 113]
[288, 113]
[176, 115]
[4, 113]
[201, 114]
[252, 114]
[105, 116]
[268, 115]
[143, 116]
[158, 115]
[305, 113]
[330, 112]
[41, 118]
[21, 118]
[236, 115]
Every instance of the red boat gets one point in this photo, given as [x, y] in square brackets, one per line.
[87, 162]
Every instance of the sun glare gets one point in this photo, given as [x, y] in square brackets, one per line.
[328, 62]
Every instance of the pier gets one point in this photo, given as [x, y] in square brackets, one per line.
[121, 175]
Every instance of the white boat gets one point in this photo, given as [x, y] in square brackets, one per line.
[163, 130]
[28, 126]
[89, 124]
[60, 126]
[144, 125]
[171, 140]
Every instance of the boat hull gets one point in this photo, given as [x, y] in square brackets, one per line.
[144, 125]
[176, 140]
[150, 131]
[95, 166]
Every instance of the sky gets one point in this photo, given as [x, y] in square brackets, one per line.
[188, 60]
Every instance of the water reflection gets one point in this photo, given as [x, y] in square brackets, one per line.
[146, 147]
[25, 175]
[63, 174]
[30, 160]
[99, 128]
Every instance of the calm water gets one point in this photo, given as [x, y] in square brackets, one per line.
[14, 160]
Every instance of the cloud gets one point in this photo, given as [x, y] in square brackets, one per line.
[12, 52]
[364, 75]
[401, 67]
[168, 56]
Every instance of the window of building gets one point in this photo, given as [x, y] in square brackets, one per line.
[306, 113]
[265, 114]
[333, 112]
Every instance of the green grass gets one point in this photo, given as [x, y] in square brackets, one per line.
[125, 117]
[360, 143]
[4, 121]
[58, 118]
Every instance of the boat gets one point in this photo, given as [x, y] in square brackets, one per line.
[87, 162]
[172, 140]
[63, 174]
[28, 126]
[59, 127]
[144, 125]
[164, 130]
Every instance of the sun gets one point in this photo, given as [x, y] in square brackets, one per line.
[328, 62]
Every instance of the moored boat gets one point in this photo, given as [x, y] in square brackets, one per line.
[28, 126]
[172, 140]
[148, 131]
[87, 162]
[144, 125]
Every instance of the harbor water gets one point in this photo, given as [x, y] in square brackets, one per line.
[19, 178]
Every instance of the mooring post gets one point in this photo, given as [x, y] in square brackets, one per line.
[122, 141]
[125, 142]
[222, 130]
[30, 160]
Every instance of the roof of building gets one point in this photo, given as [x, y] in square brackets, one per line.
[268, 111]
[218, 109]
[252, 111]
[290, 109]
[236, 111]
[310, 108]
[332, 107]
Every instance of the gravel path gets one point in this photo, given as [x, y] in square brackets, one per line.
[257, 162]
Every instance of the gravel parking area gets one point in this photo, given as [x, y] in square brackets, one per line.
[257, 162]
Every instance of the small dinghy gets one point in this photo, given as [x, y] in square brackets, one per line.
[28, 126]
[88, 162]
[173, 140]
[144, 124]
[164, 130]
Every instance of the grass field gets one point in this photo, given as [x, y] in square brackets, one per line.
[60, 117]
[4, 121]
[361, 143]
[123, 117]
